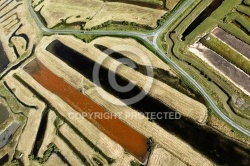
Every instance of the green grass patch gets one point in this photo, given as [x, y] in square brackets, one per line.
[240, 19]
[226, 52]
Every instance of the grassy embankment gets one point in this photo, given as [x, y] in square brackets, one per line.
[201, 71]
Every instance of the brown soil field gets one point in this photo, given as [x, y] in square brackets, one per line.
[96, 12]
[232, 41]
[237, 76]
[132, 141]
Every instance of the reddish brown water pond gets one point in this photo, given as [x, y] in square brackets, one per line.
[131, 140]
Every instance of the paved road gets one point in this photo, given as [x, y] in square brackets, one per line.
[144, 36]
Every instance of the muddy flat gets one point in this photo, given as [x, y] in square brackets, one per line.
[233, 42]
[131, 140]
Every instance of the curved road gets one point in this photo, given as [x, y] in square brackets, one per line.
[144, 36]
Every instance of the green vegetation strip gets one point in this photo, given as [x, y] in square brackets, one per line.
[243, 9]
[242, 20]
[226, 52]
[235, 31]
